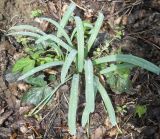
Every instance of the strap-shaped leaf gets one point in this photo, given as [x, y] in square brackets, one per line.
[60, 29]
[107, 102]
[73, 33]
[80, 41]
[86, 112]
[55, 39]
[67, 64]
[66, 17]
[57, 49]
[27, 27]
[85, 117]
[39, 68]
[85, 24]
[73, 102]
[89, 90]
[116, 67]
[130, 59]
[23, 33]
[95, 31]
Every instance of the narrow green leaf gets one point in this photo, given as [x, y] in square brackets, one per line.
[85, 24]
[23, 33]
[57, 49]
[39, 68]
[80, 41]
[67, 64]
[130, 59]
[73, 33]
[107, 102]
[86, 113]
[73, 102]
[55, 39]
[67, 15]
[89, 89]
[85, 117]
[116, 67]
[95, 31]
[27, 27]
[60, 29]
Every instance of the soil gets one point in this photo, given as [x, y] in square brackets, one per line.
[141, 22]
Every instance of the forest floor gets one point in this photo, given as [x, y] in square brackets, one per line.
[141, 22]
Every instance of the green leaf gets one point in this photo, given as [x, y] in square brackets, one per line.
[119, 81]
[44, 101]
[114, 67]
[60, 29]
[73, 33]
[36, 81]
[86, 112]
[89, 88]
[95, 31]
[39, 68]
[130, 59]
[27, 27]
[107, 102]
[57, 49]
[80, 40]
[36, 13]
[85, 25]
[140, 110]
[35, 95]
[23, 65]
[23, 33]
[85, 117]
[73, 102]
[54, 39]
[67, 64]
[66, 17]
[47, 98]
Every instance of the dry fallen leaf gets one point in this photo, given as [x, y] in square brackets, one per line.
[5, 116]
[25, 109]
[99, 133]
[43, 24]
[118, 20]
[13, 136]
[52, 7]
[23, 86]
[64, 8]
[108, 124]
[23, 129]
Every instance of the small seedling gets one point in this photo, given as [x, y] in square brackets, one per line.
[121, 109]
[36, 13]
[140, 110]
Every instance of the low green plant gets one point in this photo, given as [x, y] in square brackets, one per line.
[78, 63]
[36, 13]
[140, 110]
[121, 109]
